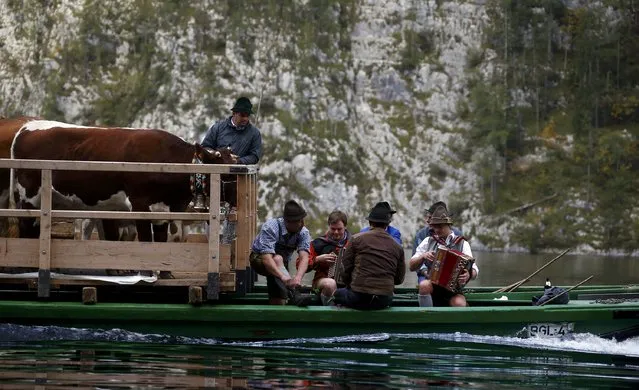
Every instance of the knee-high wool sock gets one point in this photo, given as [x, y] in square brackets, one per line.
[284, 270]
[327, 301]
[425, 300]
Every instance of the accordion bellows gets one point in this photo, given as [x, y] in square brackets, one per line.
[447, 267]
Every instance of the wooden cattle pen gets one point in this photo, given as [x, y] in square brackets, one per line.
[199, 262]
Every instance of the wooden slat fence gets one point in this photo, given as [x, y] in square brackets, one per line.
[219, 267]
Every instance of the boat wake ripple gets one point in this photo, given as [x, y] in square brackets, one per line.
[580, 342]
[361, 338]
[577, 342]
[21, 333]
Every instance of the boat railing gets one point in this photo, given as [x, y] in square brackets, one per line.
[206, 262]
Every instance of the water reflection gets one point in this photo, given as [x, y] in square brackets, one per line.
[429, 360]
[103, 365]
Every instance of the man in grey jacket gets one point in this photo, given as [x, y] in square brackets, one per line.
[245, 141]
[237, 132]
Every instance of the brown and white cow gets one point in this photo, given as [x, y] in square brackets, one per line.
[9, 127]
[49, 140]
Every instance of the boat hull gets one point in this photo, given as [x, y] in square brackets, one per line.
[250, 322]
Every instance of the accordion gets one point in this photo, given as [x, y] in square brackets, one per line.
[447, 267]
[335, 269]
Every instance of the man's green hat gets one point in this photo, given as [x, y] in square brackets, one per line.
[244, 105]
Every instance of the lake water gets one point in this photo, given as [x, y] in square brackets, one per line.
[52, 357]
[501, 269]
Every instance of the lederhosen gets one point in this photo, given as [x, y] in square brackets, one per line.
[284, 249]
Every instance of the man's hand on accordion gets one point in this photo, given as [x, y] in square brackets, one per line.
[428, 257]
[328, 258]
[463, 277]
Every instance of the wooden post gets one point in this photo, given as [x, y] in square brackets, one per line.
[229, 222]
[195, 295]
[252, 275]
[89, 295]
[44, 271]
[242, 243]
[254, 208]
[213, 279]
[77, 229]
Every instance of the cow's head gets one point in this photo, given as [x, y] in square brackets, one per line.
[210, 156]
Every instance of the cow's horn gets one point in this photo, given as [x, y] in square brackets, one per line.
[218, 154]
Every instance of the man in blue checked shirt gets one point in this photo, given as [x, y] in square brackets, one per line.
[274, 246]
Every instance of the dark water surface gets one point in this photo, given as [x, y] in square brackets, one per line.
[52, 357]
[118, 359]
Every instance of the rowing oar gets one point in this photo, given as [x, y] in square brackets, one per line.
[512, 287]
[567, 291]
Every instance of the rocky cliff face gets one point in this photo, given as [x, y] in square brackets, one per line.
[357, 99]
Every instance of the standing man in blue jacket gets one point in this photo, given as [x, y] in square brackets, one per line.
[238, 133]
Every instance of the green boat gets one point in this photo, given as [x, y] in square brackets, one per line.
[218, 263]
[606, 311]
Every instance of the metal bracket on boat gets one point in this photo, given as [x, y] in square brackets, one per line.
[213, 286]
[44, 283]
[241, 282]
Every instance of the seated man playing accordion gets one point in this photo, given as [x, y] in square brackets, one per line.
[324, 253]
[430, 257]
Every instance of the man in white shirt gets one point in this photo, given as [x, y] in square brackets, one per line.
[429, 293]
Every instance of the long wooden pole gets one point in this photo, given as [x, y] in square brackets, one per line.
[529, 205]
[44, 263]
[567, 291]
[512, 287]
[259, 104]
